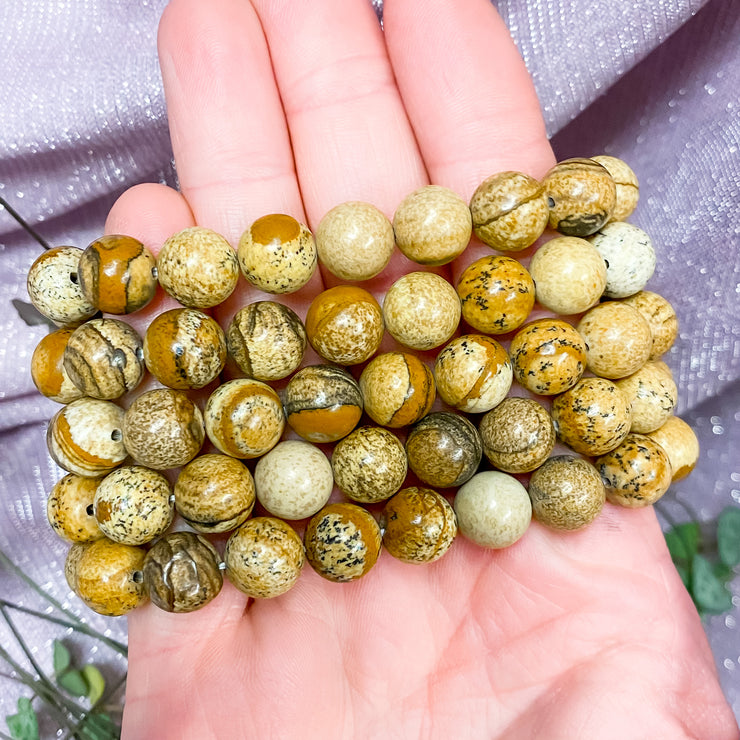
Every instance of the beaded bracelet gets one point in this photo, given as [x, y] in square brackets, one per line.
[612, 397]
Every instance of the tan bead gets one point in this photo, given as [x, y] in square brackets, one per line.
[592, 417]
[653, 396]
[618, 339]
[69, 509]
[277, 254]
[47, 368]
[628, 188]
[198, 267]
[681, 445]
[569, 275]
[355, 241]
[660, 315]
[421, 310]
[509, 211]
[163, 429]
[74, 554]
[496, 293]
[214, 493]
[473, 373]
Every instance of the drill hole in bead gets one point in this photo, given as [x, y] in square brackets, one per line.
[155, 273]
[116, 435]
[551, 202]
[89, 510]
[118, 359]
[139, 352]
[73, 277]
[137, 576]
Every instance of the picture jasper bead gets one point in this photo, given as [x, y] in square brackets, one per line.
[118, 274]
[69, 509]
[342, 542]
[509, 211]
[628, 255]
[74, 554]
[444, 449]
[264, 557]
[661, 317]
[267, 340]
[277, 254]
[322, 403]
[653, 396]
[418, 525]
[627, 186]
[518, 435]
[184, 348]
[680, 443]
[181, 572]
[47, 368]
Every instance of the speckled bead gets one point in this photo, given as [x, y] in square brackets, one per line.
[184, 348]
[69, 509]
[277, 254]
[581, 194]
[322, 403]
[214, 493]
[163, 429]
[74, 554]
[54, 287]
[653, 396]
[680, 443]
[369, 464]
[86, 437]
[264, 557]
[244, 418]
[444, 449]
[518, 435]
[421, 310]
[342, 542]
[267, 340]
[628, 188]
[104, 358]
[618, 339]
[294, 480]
[473, 373]
[661, 317]
[592, 417]
[181, 572]
[118, 274]
[569, 275]
[496, 294]
[566, 493]
[398, 389]
[47, 368]
[548, 356]
[509, 211]
[355, 241]
[493, 509]
[345, 325]
[418, 525]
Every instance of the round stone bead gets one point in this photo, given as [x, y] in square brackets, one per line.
[181, 572]
[294, 480]
[69, 509]
[74, 554]
[184, 348]
[267, 340]
[54, 287]
[163, 429]
[444, 449]
[618, 339]
[133, 505]
[421, 310]
[493, 509]
[398, 389]
[214, 493]
[509, 211]
[322, 403]
[566, 493]
[118, 274]
[355, 241]
[496, 293]
[432, 225]
[680, 443]
[653, 396]
[518, 435]
[342, 542]
[369, 464]
[548, 356]
[582, 196]
[592, 417]
[244, 418]
[625, 180]
[661, 317]
[569, 275]
[47, 368]
[473, 373]
[86, 437]
[277, 254]
[104, 358]
[264, 557]
[345, 325]
[418, 525]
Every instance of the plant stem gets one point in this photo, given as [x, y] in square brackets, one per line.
[23, 223]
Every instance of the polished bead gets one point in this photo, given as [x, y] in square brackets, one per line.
[680, 443]
[47, 368]
[74, 554]
[628, 255]
[653, 396]
[661, 317]
[69, 509]
[627, 186]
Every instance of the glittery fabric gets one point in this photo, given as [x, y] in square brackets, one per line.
[652, 81]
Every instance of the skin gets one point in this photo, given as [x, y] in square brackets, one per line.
[564, 635]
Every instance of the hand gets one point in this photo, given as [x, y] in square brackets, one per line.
[295, 107]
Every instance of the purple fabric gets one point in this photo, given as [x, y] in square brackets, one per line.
[653, 81]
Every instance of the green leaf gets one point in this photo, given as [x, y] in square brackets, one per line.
[74, 682]
[95, 682]
[722, 571]
[683, 541]
[100, 726]
[24, 725]
[61, 658]
[708, 591]
[728, 536]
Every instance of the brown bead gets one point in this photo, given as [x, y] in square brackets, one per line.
[47, 368]
[625, 180]
[653, 396]
[74, 554]
[661, 317]
[681, 445]
[69, 509]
